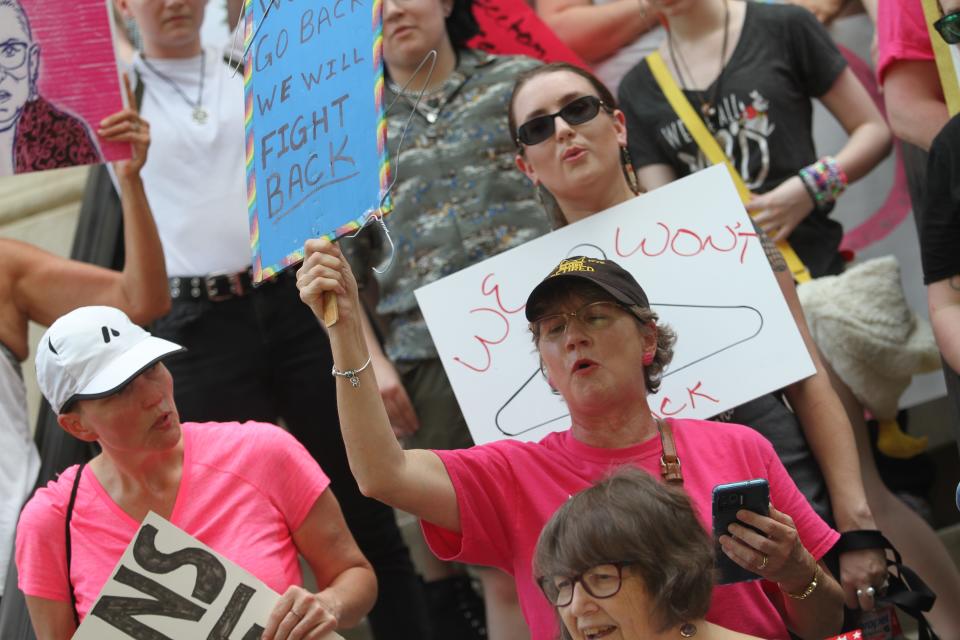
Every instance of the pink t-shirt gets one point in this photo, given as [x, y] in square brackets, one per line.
[507, 490]
[245, 489]
[901, 34]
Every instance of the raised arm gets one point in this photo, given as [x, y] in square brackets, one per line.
[597, 31]
[348, 587]
[416, 480]
[48, 286]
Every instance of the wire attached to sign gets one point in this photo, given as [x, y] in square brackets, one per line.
[379, 216]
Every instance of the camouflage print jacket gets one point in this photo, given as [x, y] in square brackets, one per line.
[458, 199]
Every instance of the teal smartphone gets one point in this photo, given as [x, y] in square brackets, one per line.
[752, 495]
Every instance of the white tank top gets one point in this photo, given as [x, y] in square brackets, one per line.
[19, 460]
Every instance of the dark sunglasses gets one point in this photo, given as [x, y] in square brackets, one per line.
[536, 130]
[949, 27]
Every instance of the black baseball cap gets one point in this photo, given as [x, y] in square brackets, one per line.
[606, 274]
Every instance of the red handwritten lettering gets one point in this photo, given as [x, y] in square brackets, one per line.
[745, 234]
[495, 291]
[694, 392]
[486, 342]
[665, 403]
[686, 243]
[733, 236]
[697, 243]
[642, 246]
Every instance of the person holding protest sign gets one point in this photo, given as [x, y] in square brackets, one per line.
[104, 377]
[36, 286]
[487, 504]
[641, 559]
[579, 161]
[270, 357]
[455, 203]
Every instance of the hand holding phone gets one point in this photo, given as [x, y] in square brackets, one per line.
[728, 499]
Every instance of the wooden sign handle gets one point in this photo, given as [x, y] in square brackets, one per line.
[330, 312]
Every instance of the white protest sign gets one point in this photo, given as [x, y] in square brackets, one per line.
[169, 585]
[691, 247]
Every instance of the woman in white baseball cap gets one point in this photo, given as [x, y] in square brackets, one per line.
[104, 377]
[38, 286]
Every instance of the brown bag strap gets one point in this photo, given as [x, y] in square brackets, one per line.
[669, 461]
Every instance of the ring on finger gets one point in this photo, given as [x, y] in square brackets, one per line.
[763, 562]
[870, 592]
[299, 615]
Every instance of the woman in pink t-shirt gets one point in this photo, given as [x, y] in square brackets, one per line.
[487, 504]
[249, 491]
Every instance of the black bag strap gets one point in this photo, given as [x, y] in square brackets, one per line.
[905, 588]
[73, 500]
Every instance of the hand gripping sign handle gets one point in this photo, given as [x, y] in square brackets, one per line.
[330, 312]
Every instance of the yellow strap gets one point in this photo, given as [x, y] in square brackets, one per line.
[712, 150]
[941, 53]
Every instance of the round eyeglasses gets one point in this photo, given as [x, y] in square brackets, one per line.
[601, 581]
[582, 109]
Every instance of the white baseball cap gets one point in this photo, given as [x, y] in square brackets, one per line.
[93, 352]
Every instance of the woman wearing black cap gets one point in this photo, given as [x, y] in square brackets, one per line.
[603, 351]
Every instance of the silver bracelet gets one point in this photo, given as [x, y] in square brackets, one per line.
[352, 373]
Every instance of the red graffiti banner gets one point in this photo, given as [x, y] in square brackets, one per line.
[511, 27]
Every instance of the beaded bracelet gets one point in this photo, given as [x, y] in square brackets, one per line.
[824, 181]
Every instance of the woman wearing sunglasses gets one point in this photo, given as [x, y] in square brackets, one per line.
[603, 351]
[627, 558]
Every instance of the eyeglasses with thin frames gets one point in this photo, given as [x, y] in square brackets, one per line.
[594, 316]
[577, 111]
[601, 581]
[13, 53]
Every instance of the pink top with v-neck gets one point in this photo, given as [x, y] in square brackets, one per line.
[245, 489]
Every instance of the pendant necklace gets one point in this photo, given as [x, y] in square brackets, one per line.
[428, 105]
[200, 115]
[708, 108]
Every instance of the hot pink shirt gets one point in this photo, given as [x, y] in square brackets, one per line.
[507, 490]
[901, 34]
[245, 489]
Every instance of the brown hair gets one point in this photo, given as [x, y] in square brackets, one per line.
[631, 518]
[530, 74]
[647, 318]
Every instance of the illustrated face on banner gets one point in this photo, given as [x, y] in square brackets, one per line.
[165, 25]
[19, 57]
[411, 28]
[48, 101]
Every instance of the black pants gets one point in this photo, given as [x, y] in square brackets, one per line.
[264, 357]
